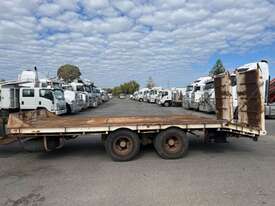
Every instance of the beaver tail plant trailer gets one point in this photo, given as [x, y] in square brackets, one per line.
[122, 136]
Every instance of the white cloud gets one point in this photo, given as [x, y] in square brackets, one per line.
[95, 4]
[114, 41]
[48, 10]
[124, 5]
[67, 4]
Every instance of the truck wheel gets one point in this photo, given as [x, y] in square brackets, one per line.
[122, 145]
[140, 100]
[69, 111]
[166, 104]
[171, 144]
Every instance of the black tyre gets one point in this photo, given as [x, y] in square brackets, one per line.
[122, 145]
[140, 100]
[171, 144]
[166, 104]
[69, 111]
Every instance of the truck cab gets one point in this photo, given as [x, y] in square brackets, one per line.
[177, 96]
[186, 102]
[159, 96]
[79, 87]
[207, 100]
[154, 94]
[74, 103]
[141, 94]
[166, 98]
[198, 92]
[98, 95]
[146, 95]
[37, 98]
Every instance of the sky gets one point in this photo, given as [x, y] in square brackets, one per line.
[113, 41]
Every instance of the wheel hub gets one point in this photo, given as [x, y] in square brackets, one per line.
[123, 144]
[171, 142]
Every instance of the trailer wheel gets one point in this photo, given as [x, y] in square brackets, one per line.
[122, 145]
[171, 144]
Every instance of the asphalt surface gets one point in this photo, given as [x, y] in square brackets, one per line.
[241, 172]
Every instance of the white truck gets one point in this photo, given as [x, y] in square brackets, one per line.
[186, 101]
[79, 87]
[177, 96]
[74, 103]
[88, 86]
[98, 95]
[172, 97]
[17, 97]
[134, 97]
[104, 95]
[27, 94]
[154, 92]
[197, 92]
[146, 96]
[166, 98]
[207, 100]
[159, 96]
[141, 94]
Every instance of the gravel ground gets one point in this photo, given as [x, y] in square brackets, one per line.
[240, 172]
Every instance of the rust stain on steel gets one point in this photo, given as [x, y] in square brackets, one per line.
[223, 96]
[7, 140]
[218, 92]
[250, 102]
[53, 121]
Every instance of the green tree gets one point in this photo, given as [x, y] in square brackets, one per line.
[150, 83]
[126, 88]
[68, 72]
[218, 68]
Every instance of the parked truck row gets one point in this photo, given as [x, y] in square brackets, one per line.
[160, 96]
[29, 92]
[199, 95]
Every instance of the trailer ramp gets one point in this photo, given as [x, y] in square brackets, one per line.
[250, 110]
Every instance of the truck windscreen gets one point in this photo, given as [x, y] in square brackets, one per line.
[209, 85]
[58, 94]
[189, 88]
